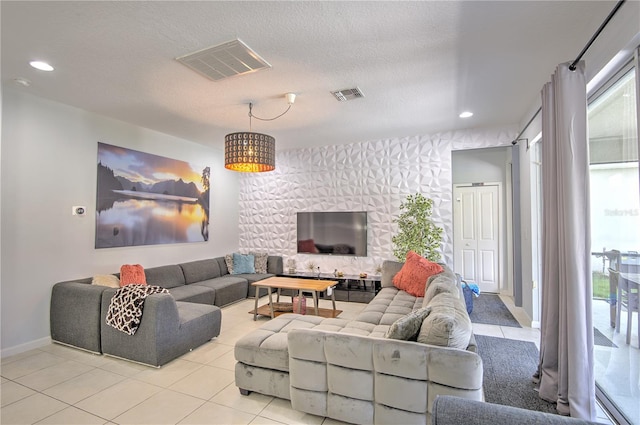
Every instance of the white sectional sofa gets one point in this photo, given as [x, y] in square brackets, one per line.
[347, 370]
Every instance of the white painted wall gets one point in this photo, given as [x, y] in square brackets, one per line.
[481, 165]
[49, 156]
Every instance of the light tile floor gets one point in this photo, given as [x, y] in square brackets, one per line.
[56, 384]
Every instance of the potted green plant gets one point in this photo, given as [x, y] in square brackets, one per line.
[416, 230]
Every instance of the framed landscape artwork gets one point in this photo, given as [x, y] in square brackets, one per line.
[146, 199]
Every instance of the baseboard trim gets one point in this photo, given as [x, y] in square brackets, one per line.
[12, 351]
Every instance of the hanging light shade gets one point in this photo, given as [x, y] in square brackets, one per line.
[249, 152]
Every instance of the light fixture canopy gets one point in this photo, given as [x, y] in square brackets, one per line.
[251, 152]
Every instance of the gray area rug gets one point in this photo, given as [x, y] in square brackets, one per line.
[490, 310]
[508, 369]
[600, 339]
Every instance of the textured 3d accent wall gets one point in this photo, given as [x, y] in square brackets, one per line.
[373, 176]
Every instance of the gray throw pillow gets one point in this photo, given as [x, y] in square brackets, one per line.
[407, 327]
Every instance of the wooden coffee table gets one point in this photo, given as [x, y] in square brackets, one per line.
[301, 285]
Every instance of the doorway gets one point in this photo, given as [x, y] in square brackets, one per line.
[477, 213]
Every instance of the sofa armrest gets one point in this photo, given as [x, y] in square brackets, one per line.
[448, 410]
[75, 314]
[156, 333]
[389, 269]
[168, 329]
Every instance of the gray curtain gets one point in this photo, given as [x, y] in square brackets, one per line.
[566, 367]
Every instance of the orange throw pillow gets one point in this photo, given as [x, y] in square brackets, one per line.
[132, 274]
[412, 277]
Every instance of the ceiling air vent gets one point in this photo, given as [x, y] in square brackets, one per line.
[224, 60]
[348, 94]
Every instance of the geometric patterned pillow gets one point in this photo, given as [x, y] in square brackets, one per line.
[260, 261]
[228, 259]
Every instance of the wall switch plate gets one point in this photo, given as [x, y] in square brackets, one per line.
[79, 210]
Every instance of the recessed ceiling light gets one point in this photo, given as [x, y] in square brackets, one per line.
[466, 114]
[22, 82]
[42, 66]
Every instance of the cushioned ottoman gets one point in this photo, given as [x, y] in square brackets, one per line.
[263, 358]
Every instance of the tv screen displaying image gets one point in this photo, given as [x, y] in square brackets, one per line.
[333, 233]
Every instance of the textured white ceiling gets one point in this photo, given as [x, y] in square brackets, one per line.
[419, 64]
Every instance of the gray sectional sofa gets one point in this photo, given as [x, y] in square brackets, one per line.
[448, 410]
[172, 324]
[350, 371]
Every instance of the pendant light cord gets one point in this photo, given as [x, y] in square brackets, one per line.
[265, 119]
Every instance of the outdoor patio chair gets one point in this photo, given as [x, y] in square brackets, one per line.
[627, 297]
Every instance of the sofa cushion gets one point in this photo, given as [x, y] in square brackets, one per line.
[388, 306]
[165, 276]
[243, 263]
[228, 289]
[448, 324]
[407, 327]
[412, 278]
[194, 294]
[132, 274]
[267, 346]
[255, 277]
[197, 271]
[107, 280]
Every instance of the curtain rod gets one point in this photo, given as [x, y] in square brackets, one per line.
[517, 139]
[572, 67]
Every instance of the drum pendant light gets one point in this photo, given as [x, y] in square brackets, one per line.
[251, 152]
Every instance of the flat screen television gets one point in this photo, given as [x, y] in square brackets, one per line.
[333, 233]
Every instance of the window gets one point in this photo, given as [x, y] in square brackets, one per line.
[615, 226]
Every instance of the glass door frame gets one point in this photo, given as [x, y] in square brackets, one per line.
[606, 84]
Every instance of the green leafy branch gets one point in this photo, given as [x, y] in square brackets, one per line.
[416, 230]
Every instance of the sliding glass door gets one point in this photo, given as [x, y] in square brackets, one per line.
[615, 237]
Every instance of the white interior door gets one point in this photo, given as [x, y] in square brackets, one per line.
[476, 231]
